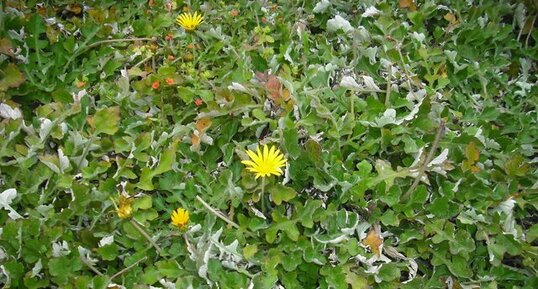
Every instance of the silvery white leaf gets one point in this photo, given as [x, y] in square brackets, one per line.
[441, 158]
[202, 271]
[361, 230]
[371, 52]
[362, 34]
[106, 240]
[520, 14]
[389, 117]
[6, 197]
[416, 95]
[369, 82]
[370, 11]
[335, 240]
[349, 82]
[419, 36]
[525, 88]
[321, 6]
[45, 127]
[338, 23]
[483, 20]
[506, 206]
[509, 225]
[237, 86]
[37, 268]
[526, 66]
[168, 284]
[64, 161]
[7, 111]
[85, 255]
[60, 249]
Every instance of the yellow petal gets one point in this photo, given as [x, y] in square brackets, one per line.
[265, 156]
[254, 157]
[249, 163]
[259, 153]
[271, 155]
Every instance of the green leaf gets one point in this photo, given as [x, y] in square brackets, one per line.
[516, 166]
[100, 282]
[389, 272]
[281, 193]
[291, 142]
[63, 267]
[462, 242]
[165, 164]
[442, 207]
[169, 268]
[151, 276]
[389, 218]
[249, 251]
[387, 174]
[143, 203]
[12, 77]
[460, 267]
[108, 252]
[106, 120]
[313, 151]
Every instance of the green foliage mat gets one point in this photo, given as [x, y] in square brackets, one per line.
[409, 127]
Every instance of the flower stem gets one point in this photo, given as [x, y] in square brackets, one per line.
[145, 234]
[90, 265]
[262, 196]
[222, 217]
[128, 268]
[85, 151]
[217, 213]
[424, 166]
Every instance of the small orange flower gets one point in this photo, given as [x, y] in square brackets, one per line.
[155, 85]
[169, 81]
[198, 101]
[190, 46]
[80, 84]
[264, 20]
[234, 12]
[169, 37]
[171, 57]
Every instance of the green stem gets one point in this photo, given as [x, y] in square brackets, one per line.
[217, 213]
[431, 154]
[128, 268]
[145, 234]
[90, 265]
[85, 151]
[222, 216]
[262, 196]
[389, 87]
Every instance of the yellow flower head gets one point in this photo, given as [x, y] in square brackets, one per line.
[189, 21]
[180, 218]
[124, 208]
[266, 163]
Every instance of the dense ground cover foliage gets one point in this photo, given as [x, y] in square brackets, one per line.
[401, 144]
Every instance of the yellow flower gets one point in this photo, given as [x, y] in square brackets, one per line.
[180, 218]
[189, 21]
[124, 208]
[266, 163]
